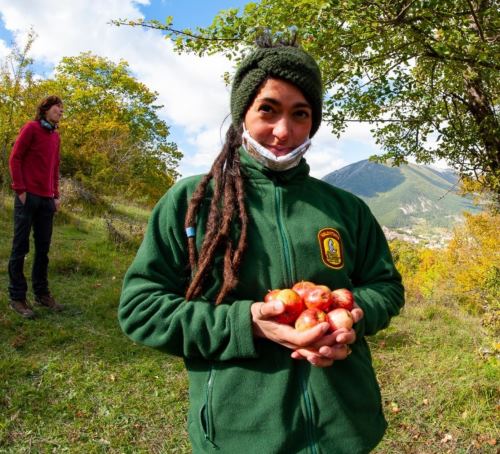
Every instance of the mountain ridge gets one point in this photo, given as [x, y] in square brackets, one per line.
[411, 198]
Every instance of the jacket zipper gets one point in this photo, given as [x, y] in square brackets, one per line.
[207, 414]
[290, 276]
[309, 413]
[284, 241]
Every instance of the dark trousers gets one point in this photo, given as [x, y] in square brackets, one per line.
[37, 213]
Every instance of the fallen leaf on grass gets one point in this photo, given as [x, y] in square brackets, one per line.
[18, 341]
[476, 444]
[446, 438]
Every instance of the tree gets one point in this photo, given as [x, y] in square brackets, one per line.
[18, 93]
[424, 73]
[112, 136]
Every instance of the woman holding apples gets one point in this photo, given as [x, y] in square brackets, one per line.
[258, 221]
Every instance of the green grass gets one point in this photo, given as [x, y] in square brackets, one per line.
[72, 382]
[440, 393]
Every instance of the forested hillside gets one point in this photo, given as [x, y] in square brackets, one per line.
[405, 196]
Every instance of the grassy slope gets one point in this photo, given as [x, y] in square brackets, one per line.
[73, 383]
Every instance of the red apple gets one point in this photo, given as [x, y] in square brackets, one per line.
[340, 318]
[271, 295]
[319, 297]
[309, 318]
[303, 287]
[344, 298]
[292, 302]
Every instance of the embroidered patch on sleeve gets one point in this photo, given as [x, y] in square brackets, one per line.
[330, 245]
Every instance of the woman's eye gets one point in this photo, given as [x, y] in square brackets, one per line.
[302, 114]
[265, 108]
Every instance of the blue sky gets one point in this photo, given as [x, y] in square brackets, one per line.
[189, 13]
[191, 89]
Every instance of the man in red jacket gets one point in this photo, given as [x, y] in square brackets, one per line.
[34, 168]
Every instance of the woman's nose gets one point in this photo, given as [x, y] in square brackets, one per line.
[282, 129]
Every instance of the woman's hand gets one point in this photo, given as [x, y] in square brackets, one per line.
[357, 313]
[332, 347]
[265, 327]
[313, 345]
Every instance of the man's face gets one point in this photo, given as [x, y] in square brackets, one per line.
[54, 114]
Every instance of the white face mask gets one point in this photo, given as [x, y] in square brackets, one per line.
[268, 159]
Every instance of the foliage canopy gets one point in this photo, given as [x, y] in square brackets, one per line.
[112, 127]
[423, 73]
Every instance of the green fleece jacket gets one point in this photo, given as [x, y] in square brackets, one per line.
[247, 394]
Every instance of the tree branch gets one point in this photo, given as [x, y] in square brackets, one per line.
[172, 30]
[476, 20]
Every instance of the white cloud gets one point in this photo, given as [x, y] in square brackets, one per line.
[68, 28]
[207, 143]
[325, 155]
[4, 49]
[359, 132]
[190, 88]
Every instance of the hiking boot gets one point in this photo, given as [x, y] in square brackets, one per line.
[22, 307]
[49, 302]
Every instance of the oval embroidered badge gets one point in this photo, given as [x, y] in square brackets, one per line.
[330, 245]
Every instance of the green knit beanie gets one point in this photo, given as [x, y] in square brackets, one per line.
[286, 62]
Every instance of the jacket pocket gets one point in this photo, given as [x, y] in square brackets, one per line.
[30, 203]
[26, 198]
[206, 413]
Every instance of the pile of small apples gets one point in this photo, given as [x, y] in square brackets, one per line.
[308, 304]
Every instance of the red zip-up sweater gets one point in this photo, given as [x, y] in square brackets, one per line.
[34, 161]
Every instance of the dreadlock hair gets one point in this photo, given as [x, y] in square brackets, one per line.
[227, 209]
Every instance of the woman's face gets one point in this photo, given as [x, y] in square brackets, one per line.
[279, 118]
[54, 114]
